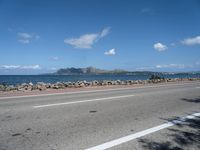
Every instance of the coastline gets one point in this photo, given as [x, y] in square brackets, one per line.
[40, 88]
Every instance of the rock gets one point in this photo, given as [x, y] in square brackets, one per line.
[54, 86]
[60, 85]
[34, 87]
[10, 88]
[2, 87]
[48, 85]
[140, 82]
[117, 82]
[29, 88]
[76, 85]
[104, 83]
[123, 83]
[129, 82]
[81, 84]
[69, 84]
[95, 83]
[110, 82]
[41, 86]
[30, 84]
[86, 83]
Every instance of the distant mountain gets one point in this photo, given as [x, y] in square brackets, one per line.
[95, 71]
[88, 70]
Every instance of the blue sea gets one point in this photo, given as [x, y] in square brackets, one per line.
[18, 79]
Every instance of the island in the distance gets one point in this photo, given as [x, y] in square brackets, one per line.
[96, 71]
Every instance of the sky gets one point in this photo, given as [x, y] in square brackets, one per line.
[42, 36]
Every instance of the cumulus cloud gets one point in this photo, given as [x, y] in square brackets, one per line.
[179, 66]
[31, 67]
[26, 38]
[87, 40]
[160, 47]
[110, 52]
[191, 41]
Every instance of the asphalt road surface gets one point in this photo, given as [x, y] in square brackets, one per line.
[124, 119]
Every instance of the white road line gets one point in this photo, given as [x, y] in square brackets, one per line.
[142, 133]
[93, 91]
[83, 101]
[198, 87]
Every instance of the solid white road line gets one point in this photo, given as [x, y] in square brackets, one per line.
[142, 133]
[198, 87]
[83, 101]
[93, 91]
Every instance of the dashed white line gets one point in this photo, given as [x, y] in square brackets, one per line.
[142, 133]
[83, 101]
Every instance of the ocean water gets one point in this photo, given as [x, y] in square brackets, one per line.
[18, 79]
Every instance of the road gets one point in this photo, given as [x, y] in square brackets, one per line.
[78, 121]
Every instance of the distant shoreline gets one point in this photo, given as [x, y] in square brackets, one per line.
[20, 79]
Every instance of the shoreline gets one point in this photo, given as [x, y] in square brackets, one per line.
[83, 86]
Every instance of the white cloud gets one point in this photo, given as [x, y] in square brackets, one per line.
[10, 66]
[24, 41]
[191, 41]
[54, 58]
[160, 47]
[26, 38]
[25, 35]
[179, 66]
[86, 40]
[105, 32]
[31, 67]
[110, 52]
[144, 68]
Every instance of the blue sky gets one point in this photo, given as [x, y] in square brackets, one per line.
[42, 36]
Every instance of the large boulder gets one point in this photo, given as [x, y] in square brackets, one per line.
[117, 82]
[104, 82]
[95, 83]
[69, 84]
[81, 84]
[10, 88]
[60, 85]
[86, 83]
[76, 85]
[41, 86]
[2, 87]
